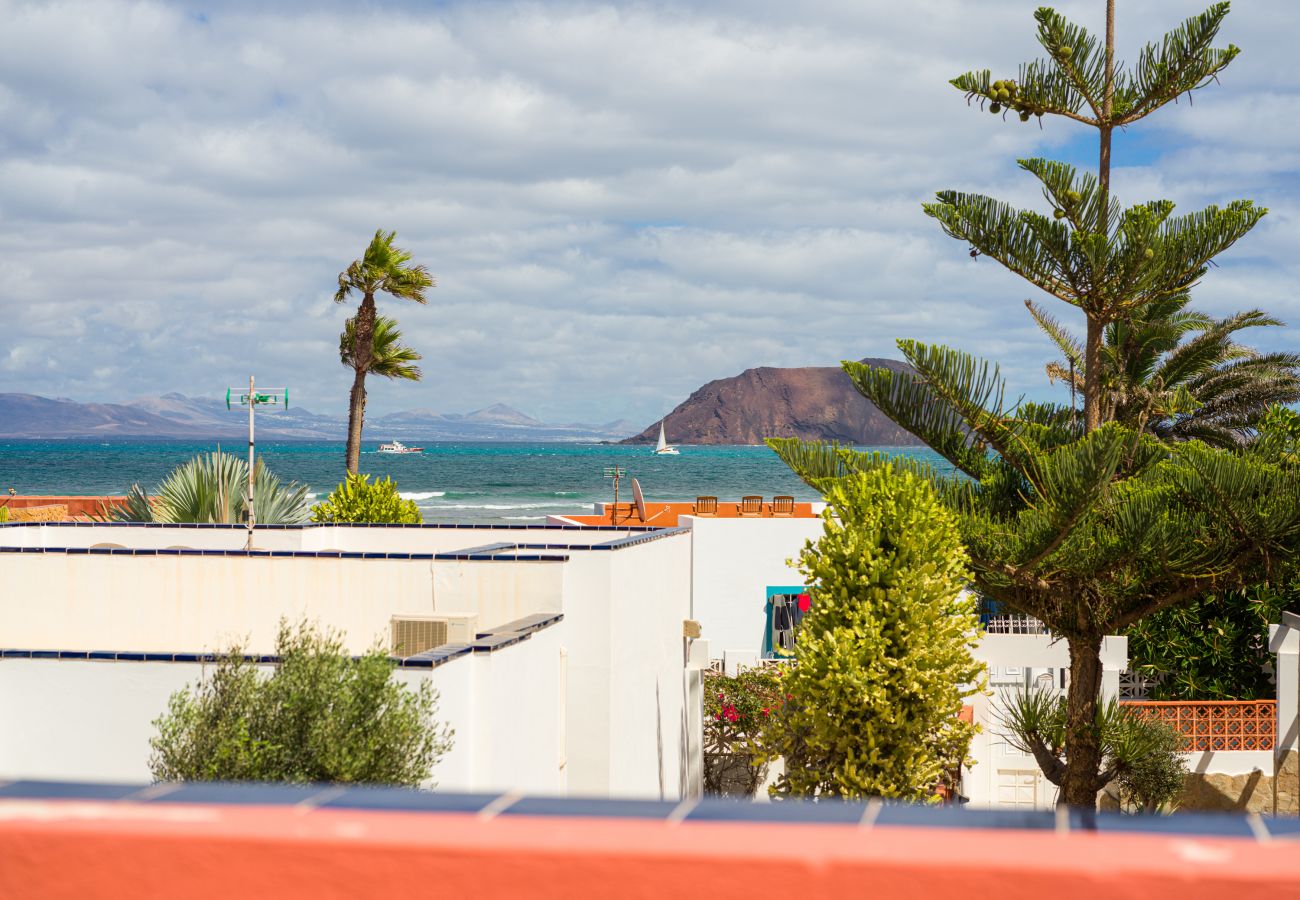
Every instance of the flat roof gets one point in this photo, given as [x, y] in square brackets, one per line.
[665, 514]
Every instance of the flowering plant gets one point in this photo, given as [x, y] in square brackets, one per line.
[737, 709]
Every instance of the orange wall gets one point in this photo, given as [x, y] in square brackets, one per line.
[86, 849]
[77, 505]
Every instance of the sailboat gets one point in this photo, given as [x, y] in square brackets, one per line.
[663, 448]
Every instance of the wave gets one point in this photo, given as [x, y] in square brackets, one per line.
[522, 518]
[421, 495]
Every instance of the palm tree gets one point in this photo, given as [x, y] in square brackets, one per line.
[385, 268]
[388, 356]
[1178, 373]
[211, 488]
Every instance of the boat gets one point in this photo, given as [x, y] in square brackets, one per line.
[663, 448]
[398, 447]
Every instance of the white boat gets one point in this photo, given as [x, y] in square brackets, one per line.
[663, 448]
[398, 447]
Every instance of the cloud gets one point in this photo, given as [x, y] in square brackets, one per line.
[620, 201]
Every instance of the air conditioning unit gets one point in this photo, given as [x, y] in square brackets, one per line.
[416, 634]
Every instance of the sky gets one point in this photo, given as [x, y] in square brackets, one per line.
[620, 202]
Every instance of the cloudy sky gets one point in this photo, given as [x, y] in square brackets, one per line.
[620, 201]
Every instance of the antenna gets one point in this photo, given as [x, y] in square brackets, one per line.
[614, 472]
[253, 399]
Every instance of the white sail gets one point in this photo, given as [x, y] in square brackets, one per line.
[663, 444]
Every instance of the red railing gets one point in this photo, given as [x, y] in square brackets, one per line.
[1215, 724]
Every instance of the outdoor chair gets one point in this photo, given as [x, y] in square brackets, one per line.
[706, 506]
[751, 506]
[783, 506]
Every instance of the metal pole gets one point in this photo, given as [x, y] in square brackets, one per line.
[252, 402]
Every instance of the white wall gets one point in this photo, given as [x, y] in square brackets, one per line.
[181, 604]
[440, 540]
[650, 600]
[508, 712]
[308, 538]
[497, 592]
[626, 727]
[735, 561]
[504, 707]
[55, 535]
[82, 721]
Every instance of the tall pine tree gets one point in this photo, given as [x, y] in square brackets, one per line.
[1087, 524]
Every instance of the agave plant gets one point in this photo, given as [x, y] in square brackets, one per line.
[211, 488]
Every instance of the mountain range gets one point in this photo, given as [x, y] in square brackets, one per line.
[176, 416]
[813, 403]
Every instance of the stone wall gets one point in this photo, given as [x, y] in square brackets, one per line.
[1286, 785]
[51, 513]
[1254, 792]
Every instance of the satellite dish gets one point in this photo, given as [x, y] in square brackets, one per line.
[639, 498]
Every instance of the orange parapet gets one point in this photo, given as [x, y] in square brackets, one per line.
[90, 849]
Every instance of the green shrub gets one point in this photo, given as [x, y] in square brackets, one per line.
[357, 500]
[320, 716]
[1153, 782]
[884, 659]
[4, 514]
[1214, 647]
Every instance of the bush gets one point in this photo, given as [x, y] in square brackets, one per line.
[1214, 647]
[357, 500]
[320, 716]
[1154, 781]
[736, 711]
[884, 657]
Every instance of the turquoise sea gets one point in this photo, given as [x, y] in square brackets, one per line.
[451, 482]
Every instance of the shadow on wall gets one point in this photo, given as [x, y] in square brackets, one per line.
[1212, 792]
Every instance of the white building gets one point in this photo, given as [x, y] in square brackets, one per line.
[560, 651]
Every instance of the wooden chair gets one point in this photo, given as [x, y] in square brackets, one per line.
[783, 505]
[706, 506]
[751, 506]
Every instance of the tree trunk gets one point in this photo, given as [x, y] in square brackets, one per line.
[1082, 741]
[356, 416]
[362, 356]
[1092, 375]
[1098, 316]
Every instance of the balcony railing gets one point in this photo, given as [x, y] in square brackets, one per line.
[1014, 625]
[1215, 724]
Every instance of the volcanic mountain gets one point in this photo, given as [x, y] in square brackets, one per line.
[815, 403]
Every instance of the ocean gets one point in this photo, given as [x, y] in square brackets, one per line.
[450, 482]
